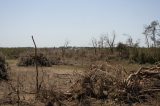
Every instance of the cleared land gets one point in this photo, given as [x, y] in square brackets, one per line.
[80, 77]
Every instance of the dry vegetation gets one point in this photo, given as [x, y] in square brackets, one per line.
[101, 83]
[3, 68]
[80, 78]
[126, 75]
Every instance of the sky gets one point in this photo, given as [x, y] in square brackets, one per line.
[52, 22]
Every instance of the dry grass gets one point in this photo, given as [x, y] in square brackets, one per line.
[69, 85]
[58, 77]
[3, 68]
[106, 82]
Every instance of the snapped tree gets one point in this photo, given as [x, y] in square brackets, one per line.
[152, 31]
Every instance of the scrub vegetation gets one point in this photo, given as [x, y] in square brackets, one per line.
[106, 74]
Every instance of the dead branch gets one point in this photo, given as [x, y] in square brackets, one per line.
[37, 72]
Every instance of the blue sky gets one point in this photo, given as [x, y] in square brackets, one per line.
[54, 21]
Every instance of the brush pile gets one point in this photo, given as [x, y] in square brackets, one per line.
[29, 59]
[97, 82]
[140, 86]
[107, 82]
[3, 67]
[52, 97]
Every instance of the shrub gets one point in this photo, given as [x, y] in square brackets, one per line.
[3, 67]
[143, 55]
[123, 50]
[29, 59]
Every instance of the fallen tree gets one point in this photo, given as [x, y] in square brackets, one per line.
[112, 83]
[106, 83]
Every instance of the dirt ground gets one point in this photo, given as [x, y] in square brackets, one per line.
[59, 77]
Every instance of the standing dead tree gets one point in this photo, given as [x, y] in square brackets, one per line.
[95, 45]
[101, 41]
[129, 41]
[66, 43]
[147, 39]
[110, 42]
[36, 64]
[153, 31]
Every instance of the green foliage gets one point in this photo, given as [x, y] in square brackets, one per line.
[145, 55]
[134, 53]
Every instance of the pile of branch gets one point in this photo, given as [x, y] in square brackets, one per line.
[3, 67]
[112, 83]
[97, 82]
[29, 59]
[52, 96]
[140, 86]
[105, 82]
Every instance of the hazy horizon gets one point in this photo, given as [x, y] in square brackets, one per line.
[51, 22]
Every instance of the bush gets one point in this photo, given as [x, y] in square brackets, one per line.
[123, 50]
[143, 55]
[29, 59]
[3, 68]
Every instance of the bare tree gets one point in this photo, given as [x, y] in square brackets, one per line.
[66, 43]
[130, 41]
[95, 45]
[110, 41]
[36, 63]
[153, 30]
[101, 41]
[147, 40]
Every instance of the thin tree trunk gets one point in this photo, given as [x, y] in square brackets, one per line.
[147, 40]
[37, 72]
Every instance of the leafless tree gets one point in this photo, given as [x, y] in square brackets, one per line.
[153, 30]
[147, 40]
[95, 45]
[101, 41]
[66, 43]
[36, 64]
[110, 41]
[130, 41]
